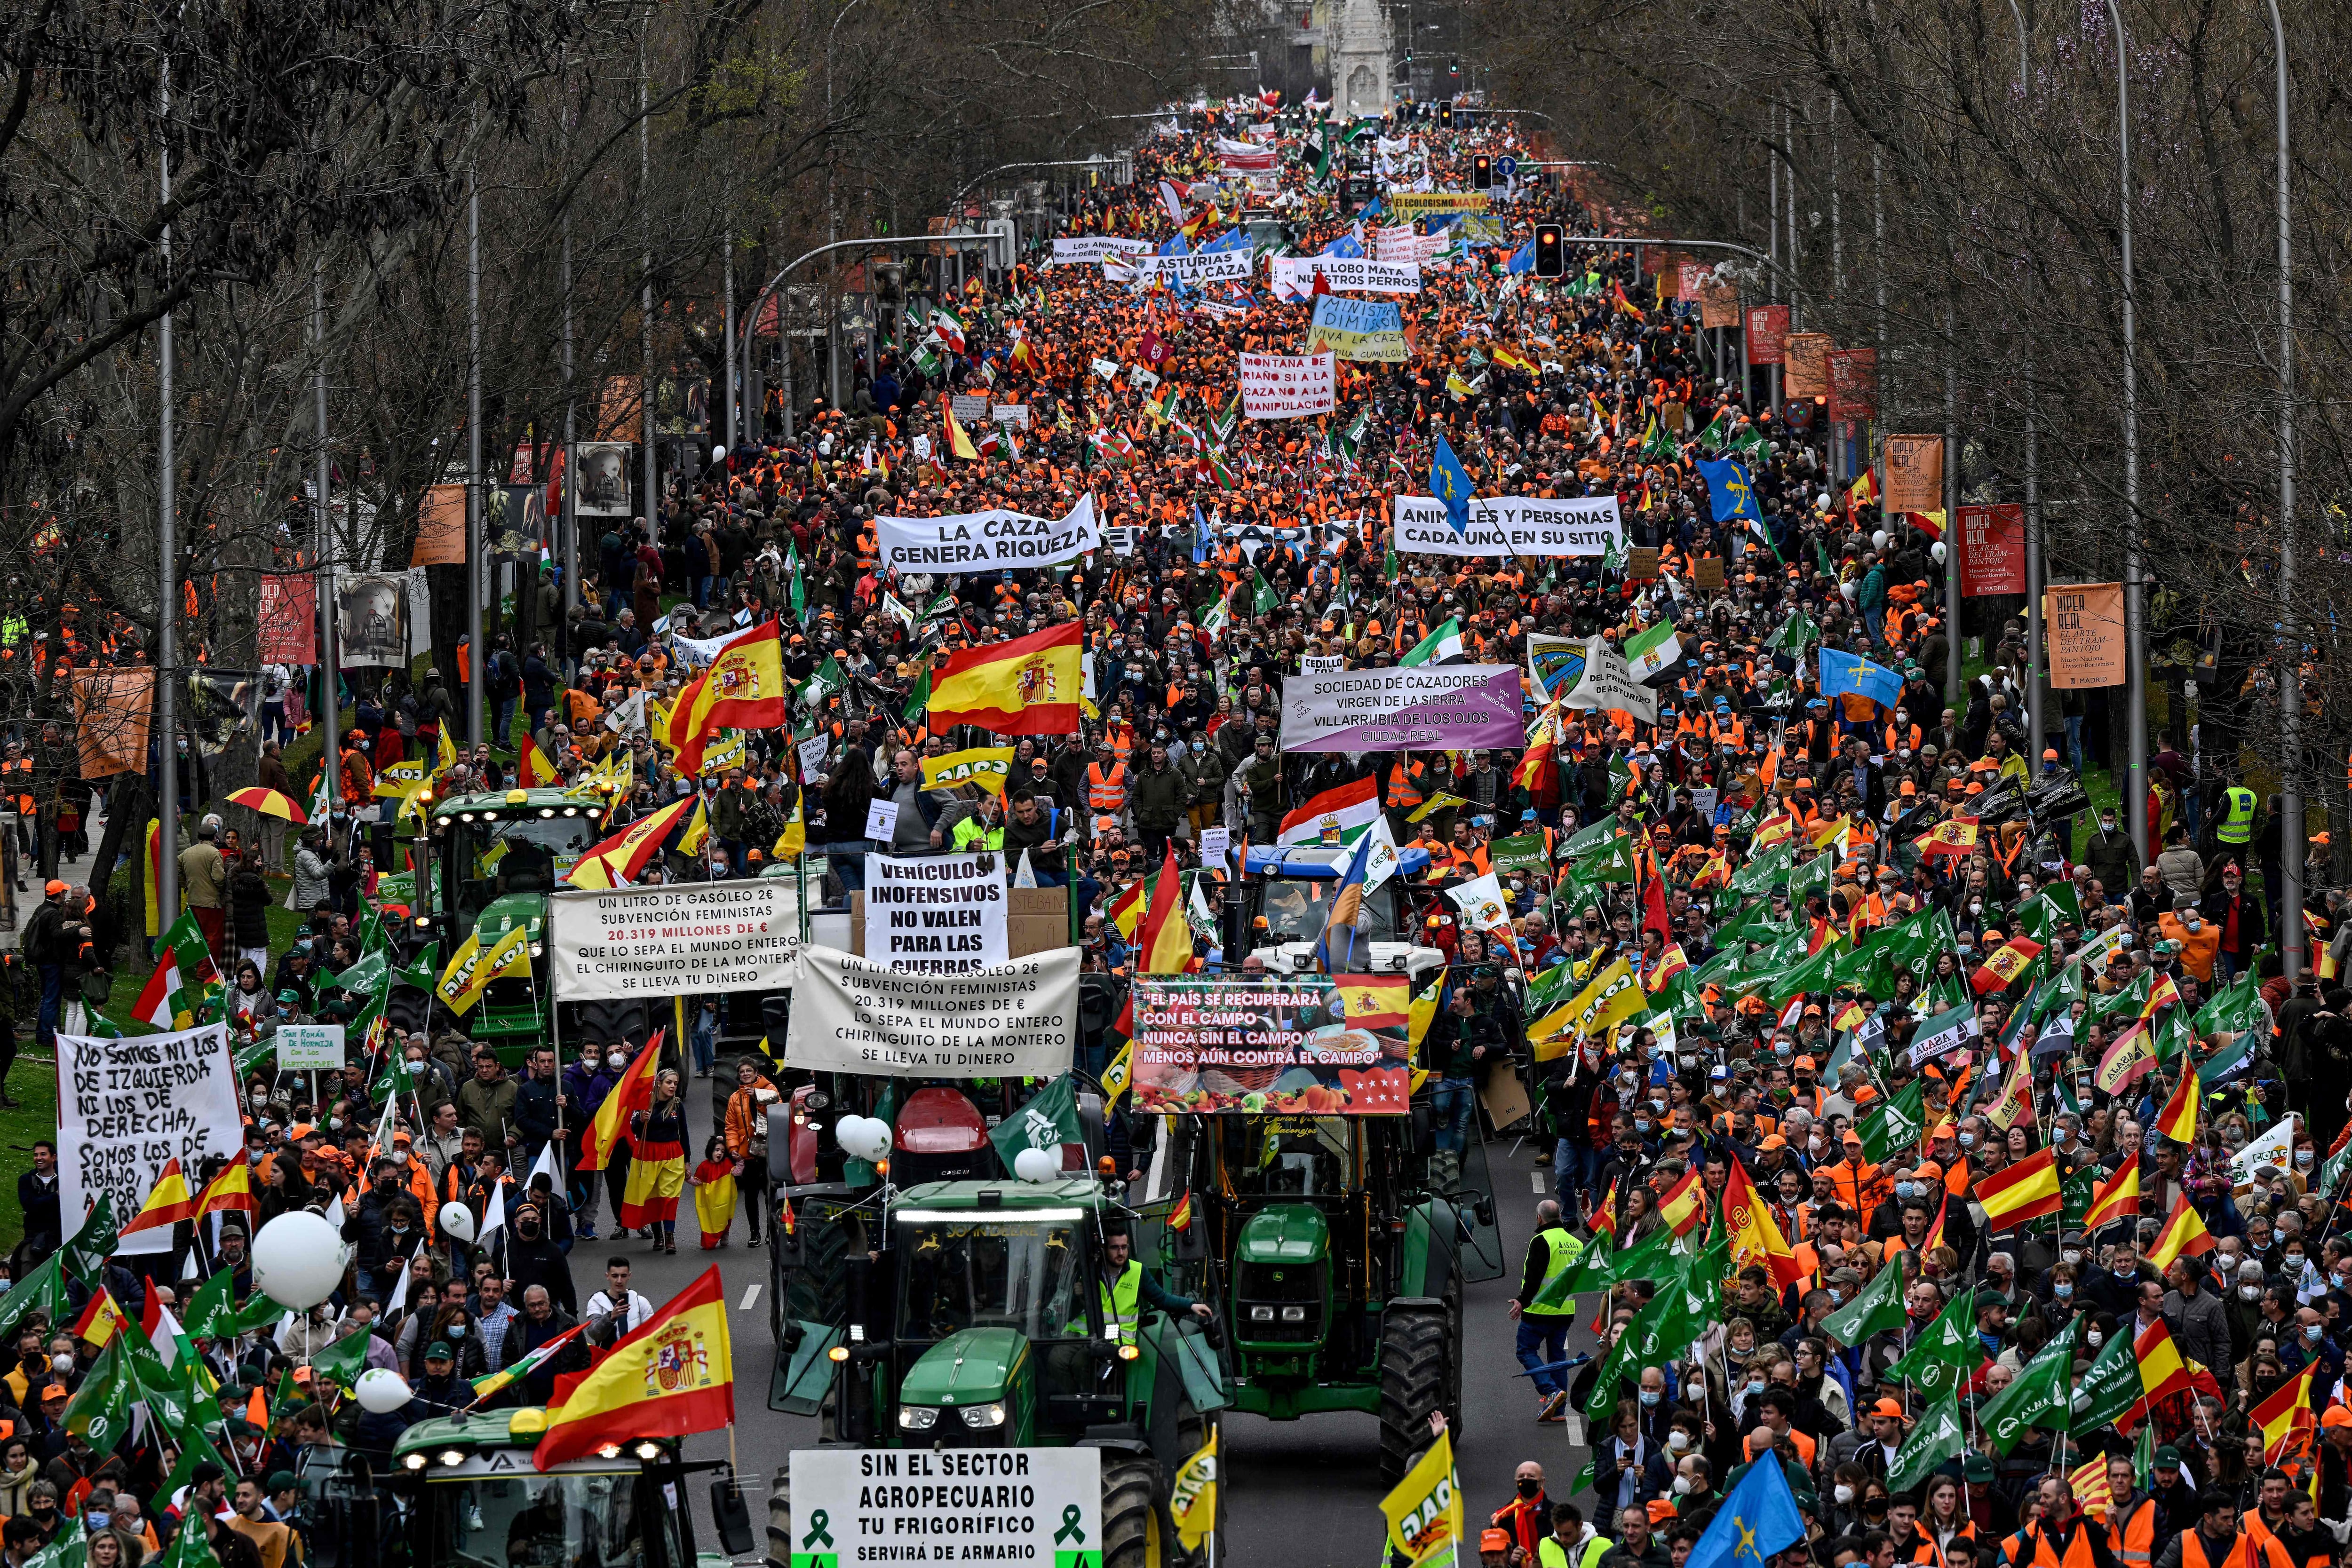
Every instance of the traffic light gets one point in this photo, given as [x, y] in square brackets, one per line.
[1482, 172]
[1445, 114]
[1551, 255]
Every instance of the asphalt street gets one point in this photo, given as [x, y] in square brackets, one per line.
[1300, 1494]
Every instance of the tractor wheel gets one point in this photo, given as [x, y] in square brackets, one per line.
[818, 1290]
[606, 1020]
[406, 1007]
[1416, 1375]
[1136, 1532]
[780, 1516]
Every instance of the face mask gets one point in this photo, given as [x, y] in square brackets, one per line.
[2093, 1338]
[2303, 1157]
[2126, 1273]
[1755, 1385]
[2072, 1255]
[2062, 1289]
[1845, 1495]
[1530, 1487]
[63, 1361]
[1784, 1051]
[2250, 1292]
[2310, 1335]
[1968, 1140]
[1682, 1485]
[2106, 824]
[1837, 1296]
[527, 1227]
[1905, 1188]
[96, 1518]
[1650, 1398]
[399, 1230]
[456, 1331]
[618, 1058]
[1641, 1125]
[2294, 1260]
[2340, 1280]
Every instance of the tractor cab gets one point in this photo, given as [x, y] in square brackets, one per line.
[1291, 888]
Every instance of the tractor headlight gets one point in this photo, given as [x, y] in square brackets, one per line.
[918, 1417]
[647, 1451]
[1293, 1314]
[451, 1458]
[1261, 1315]
[412, 1461]
[989, 1415]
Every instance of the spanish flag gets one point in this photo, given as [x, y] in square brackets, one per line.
[2178, 1120]
[1773, 831]
[2026, 1190]
[958, 442]
[615, 860]
[1671, 962]
[169, 1201]
[1755, 1238]
[673, 1376]
[1952, 836]
[2162, 1372]
[1025, 686]
[742, 689]
[231, 1191]
[2004, 964]
[2184, 1236]
[1684, 1205]
[1376, 1001]
[100, 1321]
[632, 1094]
[1166, 945]
[153, 870]
[2117, 1198]
[534, 771]
[1126, 911]
[2284, 1412]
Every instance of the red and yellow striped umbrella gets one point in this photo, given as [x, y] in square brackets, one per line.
[270, 803]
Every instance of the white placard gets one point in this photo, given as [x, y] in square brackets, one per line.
[813, 754]
[126, 1106]
[309, 1047]
[994, 540]
[1294, 275]
[946, 1505]
[1609, 685]
[1201, 266]
[680, 937]
[1321, 663]
[935, 915]
[881, 820]
[967, 408]
[1011, 413]
[854, 1015]
[1106, 369]
[1511, 525]
[1287, 386]
[1216, 845]
[1089, 249]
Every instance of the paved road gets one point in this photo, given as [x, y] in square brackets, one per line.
[1302, 1494]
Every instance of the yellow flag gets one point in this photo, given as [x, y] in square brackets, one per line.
[1615, 996]
[510, 959]
[696, 831]
[793, 842]
[447, 755]
[1115, 1080]
[1423, 1013]
[471, 971]
[1193, 1496]
[399, 780]
[1424, 1511]
[986, 766]
[458, 980]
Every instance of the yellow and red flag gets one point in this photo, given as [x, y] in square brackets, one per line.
[615, 860]
[1126, 911]
[1376, 1001]
[100, 1320]
[673, 1376]
[1671, 962]
[742, 689]
[229, 1192]
[1684, 1205]
[2184, 1235]
[169, 1201]
[533, 770]
[1029, 686]
[1952, 836]
[2178, 1120]
[632, 1094]
[1755, 1238]
[2026, 1190]
[1166, 945]
[2285, 1411]
[2162, 1372]
[2117, 1198]
[2004, 964]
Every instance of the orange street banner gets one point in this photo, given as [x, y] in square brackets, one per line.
[1914, 474]
[440, 527]
[111, 712]
[1718, 304]
[672, 1377]
[1767, 334]
[2086, 634]
[1808, 372]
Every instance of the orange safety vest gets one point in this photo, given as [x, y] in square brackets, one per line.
[2133, 1539]
[1105, 793]
[1405, 792]
[1803, 1443]
[2246, 1551]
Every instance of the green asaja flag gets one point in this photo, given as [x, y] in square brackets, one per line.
[2041, 915]
[2234, 1009]
[2108, 1387]
[1895, 1122]
[1876, 1310]
[1795, 634]
[1938, 1437]
[1946, 1351]
[43, 1287]
[2041, 1395]
[1610, 864]
[1048, 1121]
[1627, 1355]
[99, 1411]
[85, 1254]
[342, 1362]
[1262, 598]
[2128, 1001]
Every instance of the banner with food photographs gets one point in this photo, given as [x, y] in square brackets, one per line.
[1318, 1045]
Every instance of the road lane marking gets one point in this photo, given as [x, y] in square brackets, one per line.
[750, 1294]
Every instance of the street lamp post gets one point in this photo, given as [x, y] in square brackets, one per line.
[759, 304]
[2035, 674]
[2291, 843]
[2134, 611]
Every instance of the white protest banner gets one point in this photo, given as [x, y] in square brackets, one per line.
[697, 652]
[1511, 525]
[1401, 244]
[960, 1505]
[309, 1047]
[1201, 266]
[969, 408]
[1321, 663]
[992, 541]
[935, 915]
[854, 1015]
[1358, 329]
[1294, 275]
[1011, 413]
[1428, 707]
[881, 820]
[1610, 685]
[628, 942]
[1088, 250]
[1216, 845]
[1106, 369]
[126, 1106]
[1287, 386]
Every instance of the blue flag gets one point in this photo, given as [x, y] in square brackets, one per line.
[1842, 673]
[1735, 498]
[1346, 246]
[1174, 245]
[1232, 239]
[1199, 536]
[1522, 259]
[1450, 483]
[1758, 1520]
[1374, 209]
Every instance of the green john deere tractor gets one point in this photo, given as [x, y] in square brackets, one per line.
[1340, 1266]
[982, 1326]
[463, 1489]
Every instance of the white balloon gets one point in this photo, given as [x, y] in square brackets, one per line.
[865, 1137]
[1937, 549]
[456, 1219]
[381, 1390]
[297, 1260]
[1037, 1165]
[1878, 540]
[718, 454]
[1850, 591]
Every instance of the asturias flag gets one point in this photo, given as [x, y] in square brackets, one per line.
[1450, 483]
[1734, 496]
[1842, 673]
[1755, 1523]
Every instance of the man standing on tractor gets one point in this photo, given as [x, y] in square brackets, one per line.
[1543, 1335]
[1125, 1289]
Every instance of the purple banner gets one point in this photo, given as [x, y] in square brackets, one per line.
[1433, 707]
